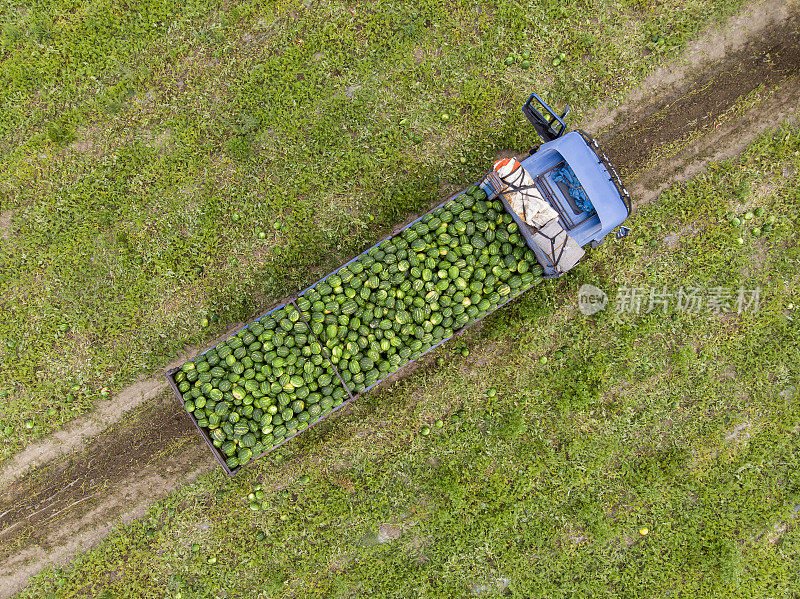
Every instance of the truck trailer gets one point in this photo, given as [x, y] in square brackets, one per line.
[290, 368]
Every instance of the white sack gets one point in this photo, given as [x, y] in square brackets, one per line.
[528, 203]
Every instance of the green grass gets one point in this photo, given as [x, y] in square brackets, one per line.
[131, 137]
[686, 424]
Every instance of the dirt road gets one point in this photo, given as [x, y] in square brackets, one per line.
[66, 493]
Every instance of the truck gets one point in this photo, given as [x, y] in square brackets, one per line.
[292, 367]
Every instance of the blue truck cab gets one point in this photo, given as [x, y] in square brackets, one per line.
[576, 178]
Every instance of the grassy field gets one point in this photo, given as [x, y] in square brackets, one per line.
[623, 454]
[165, 164]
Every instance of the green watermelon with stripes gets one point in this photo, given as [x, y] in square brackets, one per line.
[388, 306]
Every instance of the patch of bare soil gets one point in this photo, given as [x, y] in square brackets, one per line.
[770, 59]
[66, 493]
[75, 501]
[5, 224]
[723, 142]
[701, 55]
[77, 433]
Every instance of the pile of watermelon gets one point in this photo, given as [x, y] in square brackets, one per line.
[357, 326]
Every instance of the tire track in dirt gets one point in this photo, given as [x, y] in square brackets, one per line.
[73, 502]
[75, 434]
[81, 489]
[767, 61]
[723, 142]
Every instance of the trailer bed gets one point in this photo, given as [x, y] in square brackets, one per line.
[491, 185]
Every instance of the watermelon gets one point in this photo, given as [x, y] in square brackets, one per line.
[363, 322]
